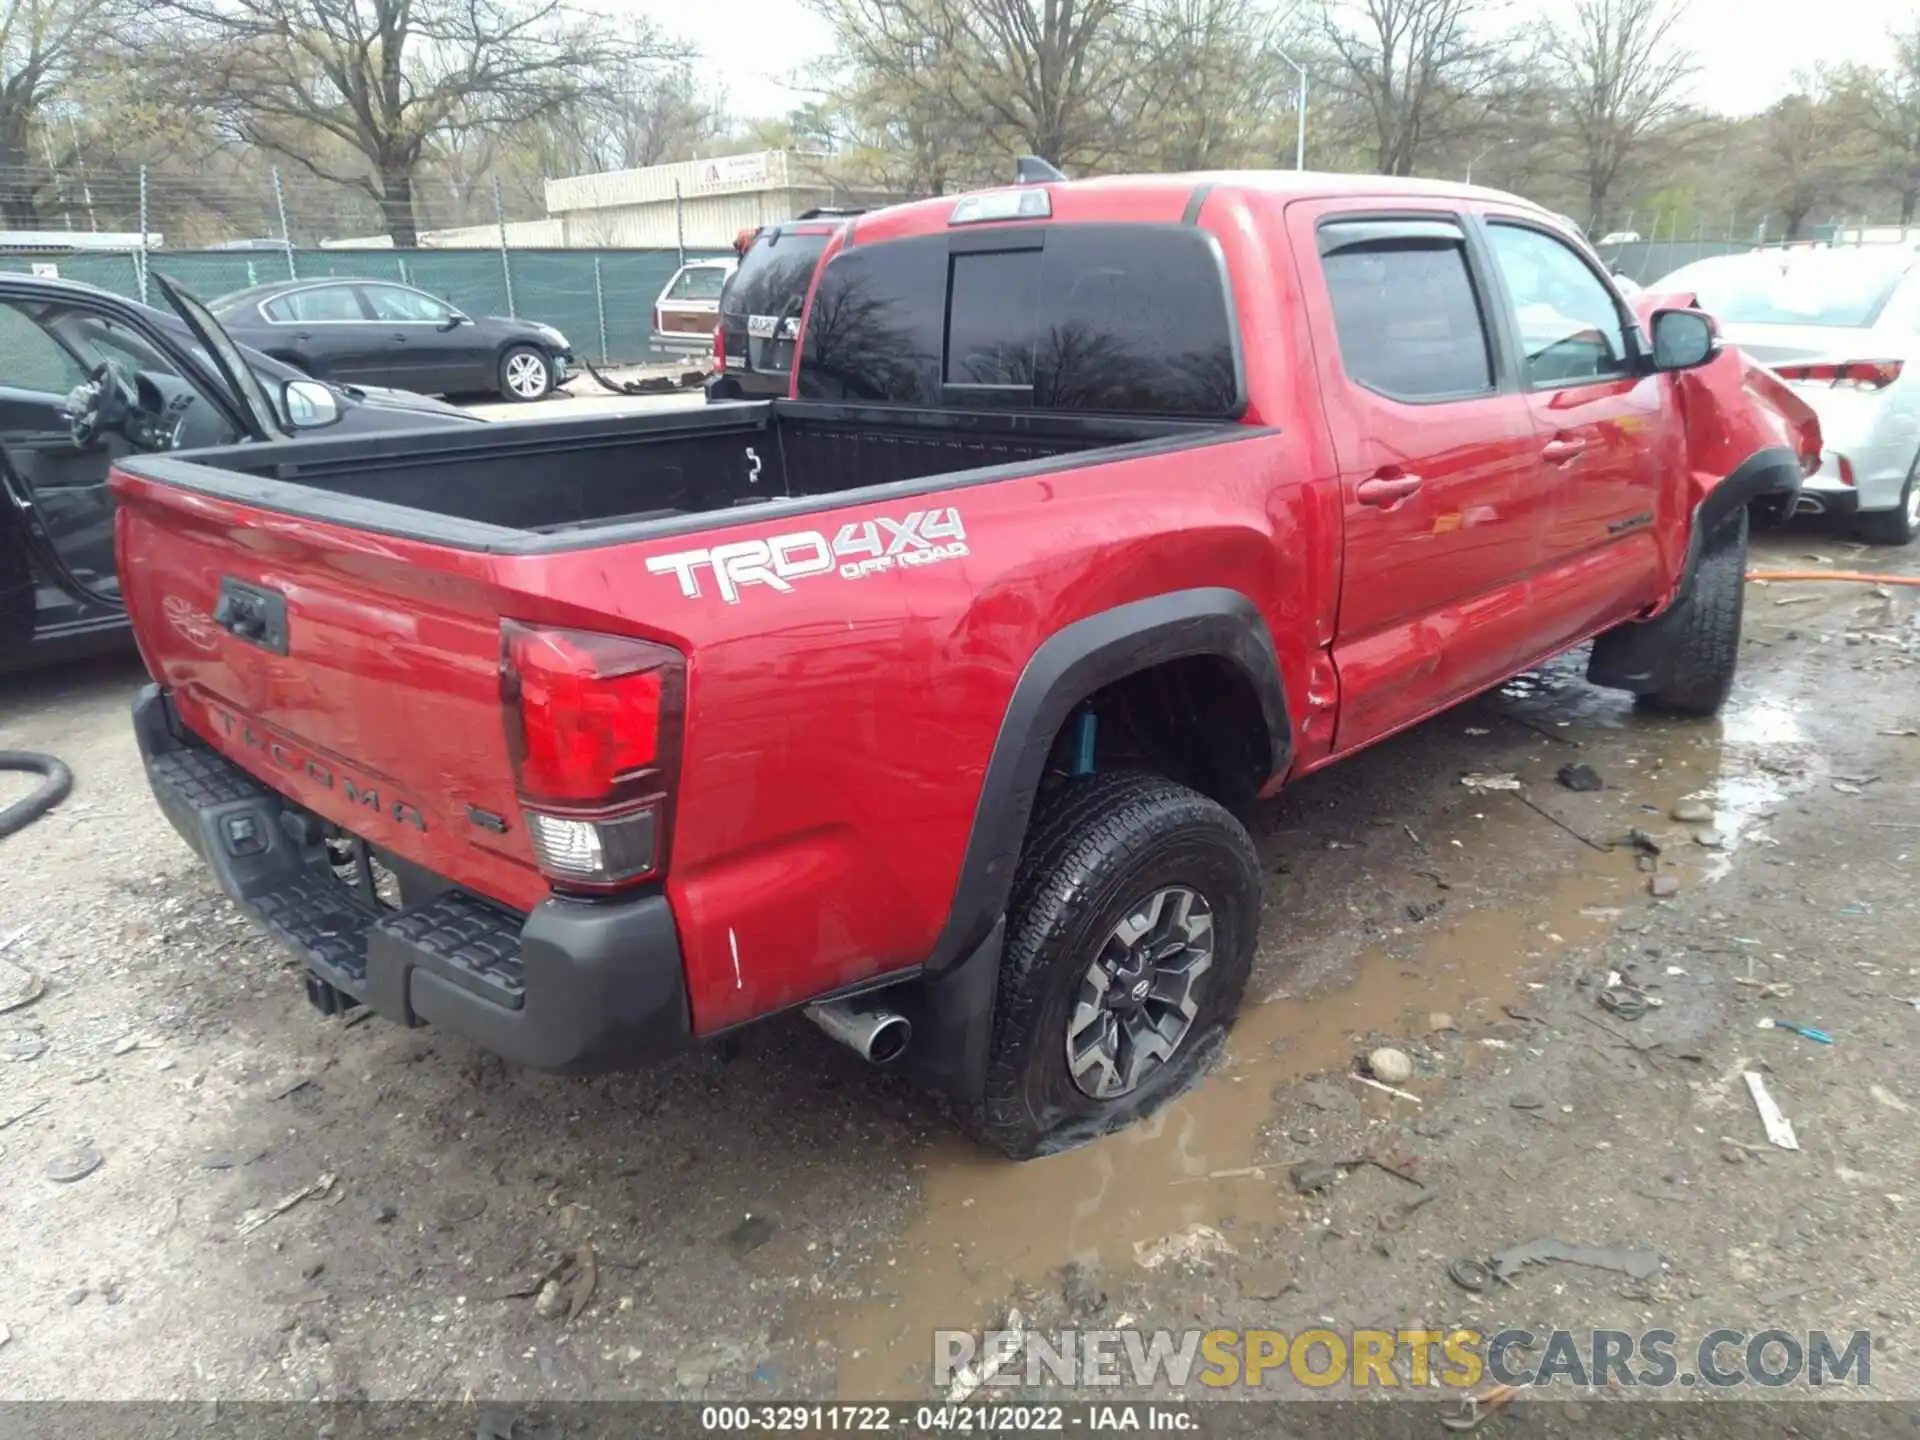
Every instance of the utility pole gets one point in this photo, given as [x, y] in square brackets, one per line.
[1299, 113]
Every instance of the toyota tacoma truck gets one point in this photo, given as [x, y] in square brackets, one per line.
[924, 699]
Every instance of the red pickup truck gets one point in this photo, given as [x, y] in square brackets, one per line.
[924, 699]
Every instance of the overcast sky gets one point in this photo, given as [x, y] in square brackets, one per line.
[1748, 51]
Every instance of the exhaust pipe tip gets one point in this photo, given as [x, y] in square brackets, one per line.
[877, 1036]
[1809, 505]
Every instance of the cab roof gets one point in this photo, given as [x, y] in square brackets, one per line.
[1167, 199]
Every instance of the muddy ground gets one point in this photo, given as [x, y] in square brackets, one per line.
[778, 1220]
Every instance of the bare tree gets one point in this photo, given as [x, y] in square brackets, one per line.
[44, 44]
[1055, 78]
[1887, 103]
[1807, 152]
[1220, 88]
[1622, 80]
[1422, 71]
[359, 91]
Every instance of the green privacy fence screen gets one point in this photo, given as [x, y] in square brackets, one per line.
[602, 299]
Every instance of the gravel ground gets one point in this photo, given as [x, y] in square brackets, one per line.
[286, 1207]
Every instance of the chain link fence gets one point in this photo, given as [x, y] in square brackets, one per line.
[601, 299]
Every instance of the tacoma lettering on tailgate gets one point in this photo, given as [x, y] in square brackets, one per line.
[295, 761]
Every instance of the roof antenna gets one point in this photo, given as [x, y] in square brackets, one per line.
[1032, 170]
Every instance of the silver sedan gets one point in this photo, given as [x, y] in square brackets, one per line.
[1843, 327]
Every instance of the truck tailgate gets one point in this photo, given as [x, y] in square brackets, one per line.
[369, 687]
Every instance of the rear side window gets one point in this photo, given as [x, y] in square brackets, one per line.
[1409, 320]
[328, 302]
[698, 282]
[774, 274]
[1115, 318]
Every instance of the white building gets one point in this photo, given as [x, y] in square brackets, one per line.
[696, 205]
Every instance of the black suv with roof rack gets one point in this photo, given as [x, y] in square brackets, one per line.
[760, 308]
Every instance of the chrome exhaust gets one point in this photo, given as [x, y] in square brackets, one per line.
[1809, 505]
[872, 1034]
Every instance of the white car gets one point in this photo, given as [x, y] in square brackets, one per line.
[1843, 327]
[688, 307]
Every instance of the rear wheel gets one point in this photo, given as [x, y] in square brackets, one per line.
[1129, 942]
[1707, 641]
[1899, 525]
[525, 374]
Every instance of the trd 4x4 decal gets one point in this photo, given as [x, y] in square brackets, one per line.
[859, 549]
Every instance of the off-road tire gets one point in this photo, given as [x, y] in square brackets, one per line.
[1094, 848]
[520, 354]
[1899, 525]
[1707, 642]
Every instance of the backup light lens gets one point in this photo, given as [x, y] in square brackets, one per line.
[595, 852]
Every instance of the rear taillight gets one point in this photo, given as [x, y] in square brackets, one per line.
[593, 724]
[659, 319]
[1845, 467]
[720, 346]
[1844, 374]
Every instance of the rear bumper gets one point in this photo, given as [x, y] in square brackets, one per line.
[573, 985]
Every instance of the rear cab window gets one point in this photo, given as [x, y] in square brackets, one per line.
[1115, 318]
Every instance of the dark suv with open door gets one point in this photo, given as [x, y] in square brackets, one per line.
[89, 378]
[760, 308]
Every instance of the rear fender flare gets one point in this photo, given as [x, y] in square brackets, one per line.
[1072, 664]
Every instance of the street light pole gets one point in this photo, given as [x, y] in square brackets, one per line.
[1300, 113]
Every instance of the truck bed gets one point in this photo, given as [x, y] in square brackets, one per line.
[540, 485]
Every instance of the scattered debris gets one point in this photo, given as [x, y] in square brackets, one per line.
[749, 1235]
[1663, 885]
[1314, 1175]
[128, 1043]
[19, 986]
[1693, 812]
[1479, 782]
[1582, 778]
[1526, 1102]
[1805, 1031]
[25, 1046]
[1785, 1292]
[1373, 1084]
[585, 1280]
[1475, 1409]
[1439, 1020]
[1473, 1275]
[458, 1209]
[34, 1109]
[551, 1300]
[1624, 1002]
[254, 1219]
[1779, 1128]
[1005, 1346]
[1192, 1245]
[1081, 1290]
[1638, 1264]
[1708, 838]
[1390, 1065]
[74, 1165]
[1887, 1098]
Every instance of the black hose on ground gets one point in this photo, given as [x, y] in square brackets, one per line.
[50, 792]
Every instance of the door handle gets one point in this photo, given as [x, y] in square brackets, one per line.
[1386, 491]
[1562, 450]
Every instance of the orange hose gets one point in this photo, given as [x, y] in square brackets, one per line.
[1857, 576]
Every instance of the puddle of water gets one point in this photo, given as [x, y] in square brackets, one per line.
[987, 1223]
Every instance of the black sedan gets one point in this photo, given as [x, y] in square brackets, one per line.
[377, 332]
[87, 377]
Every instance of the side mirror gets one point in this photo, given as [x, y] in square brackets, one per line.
[454, 321]
[309, 404]
[1682, 339]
